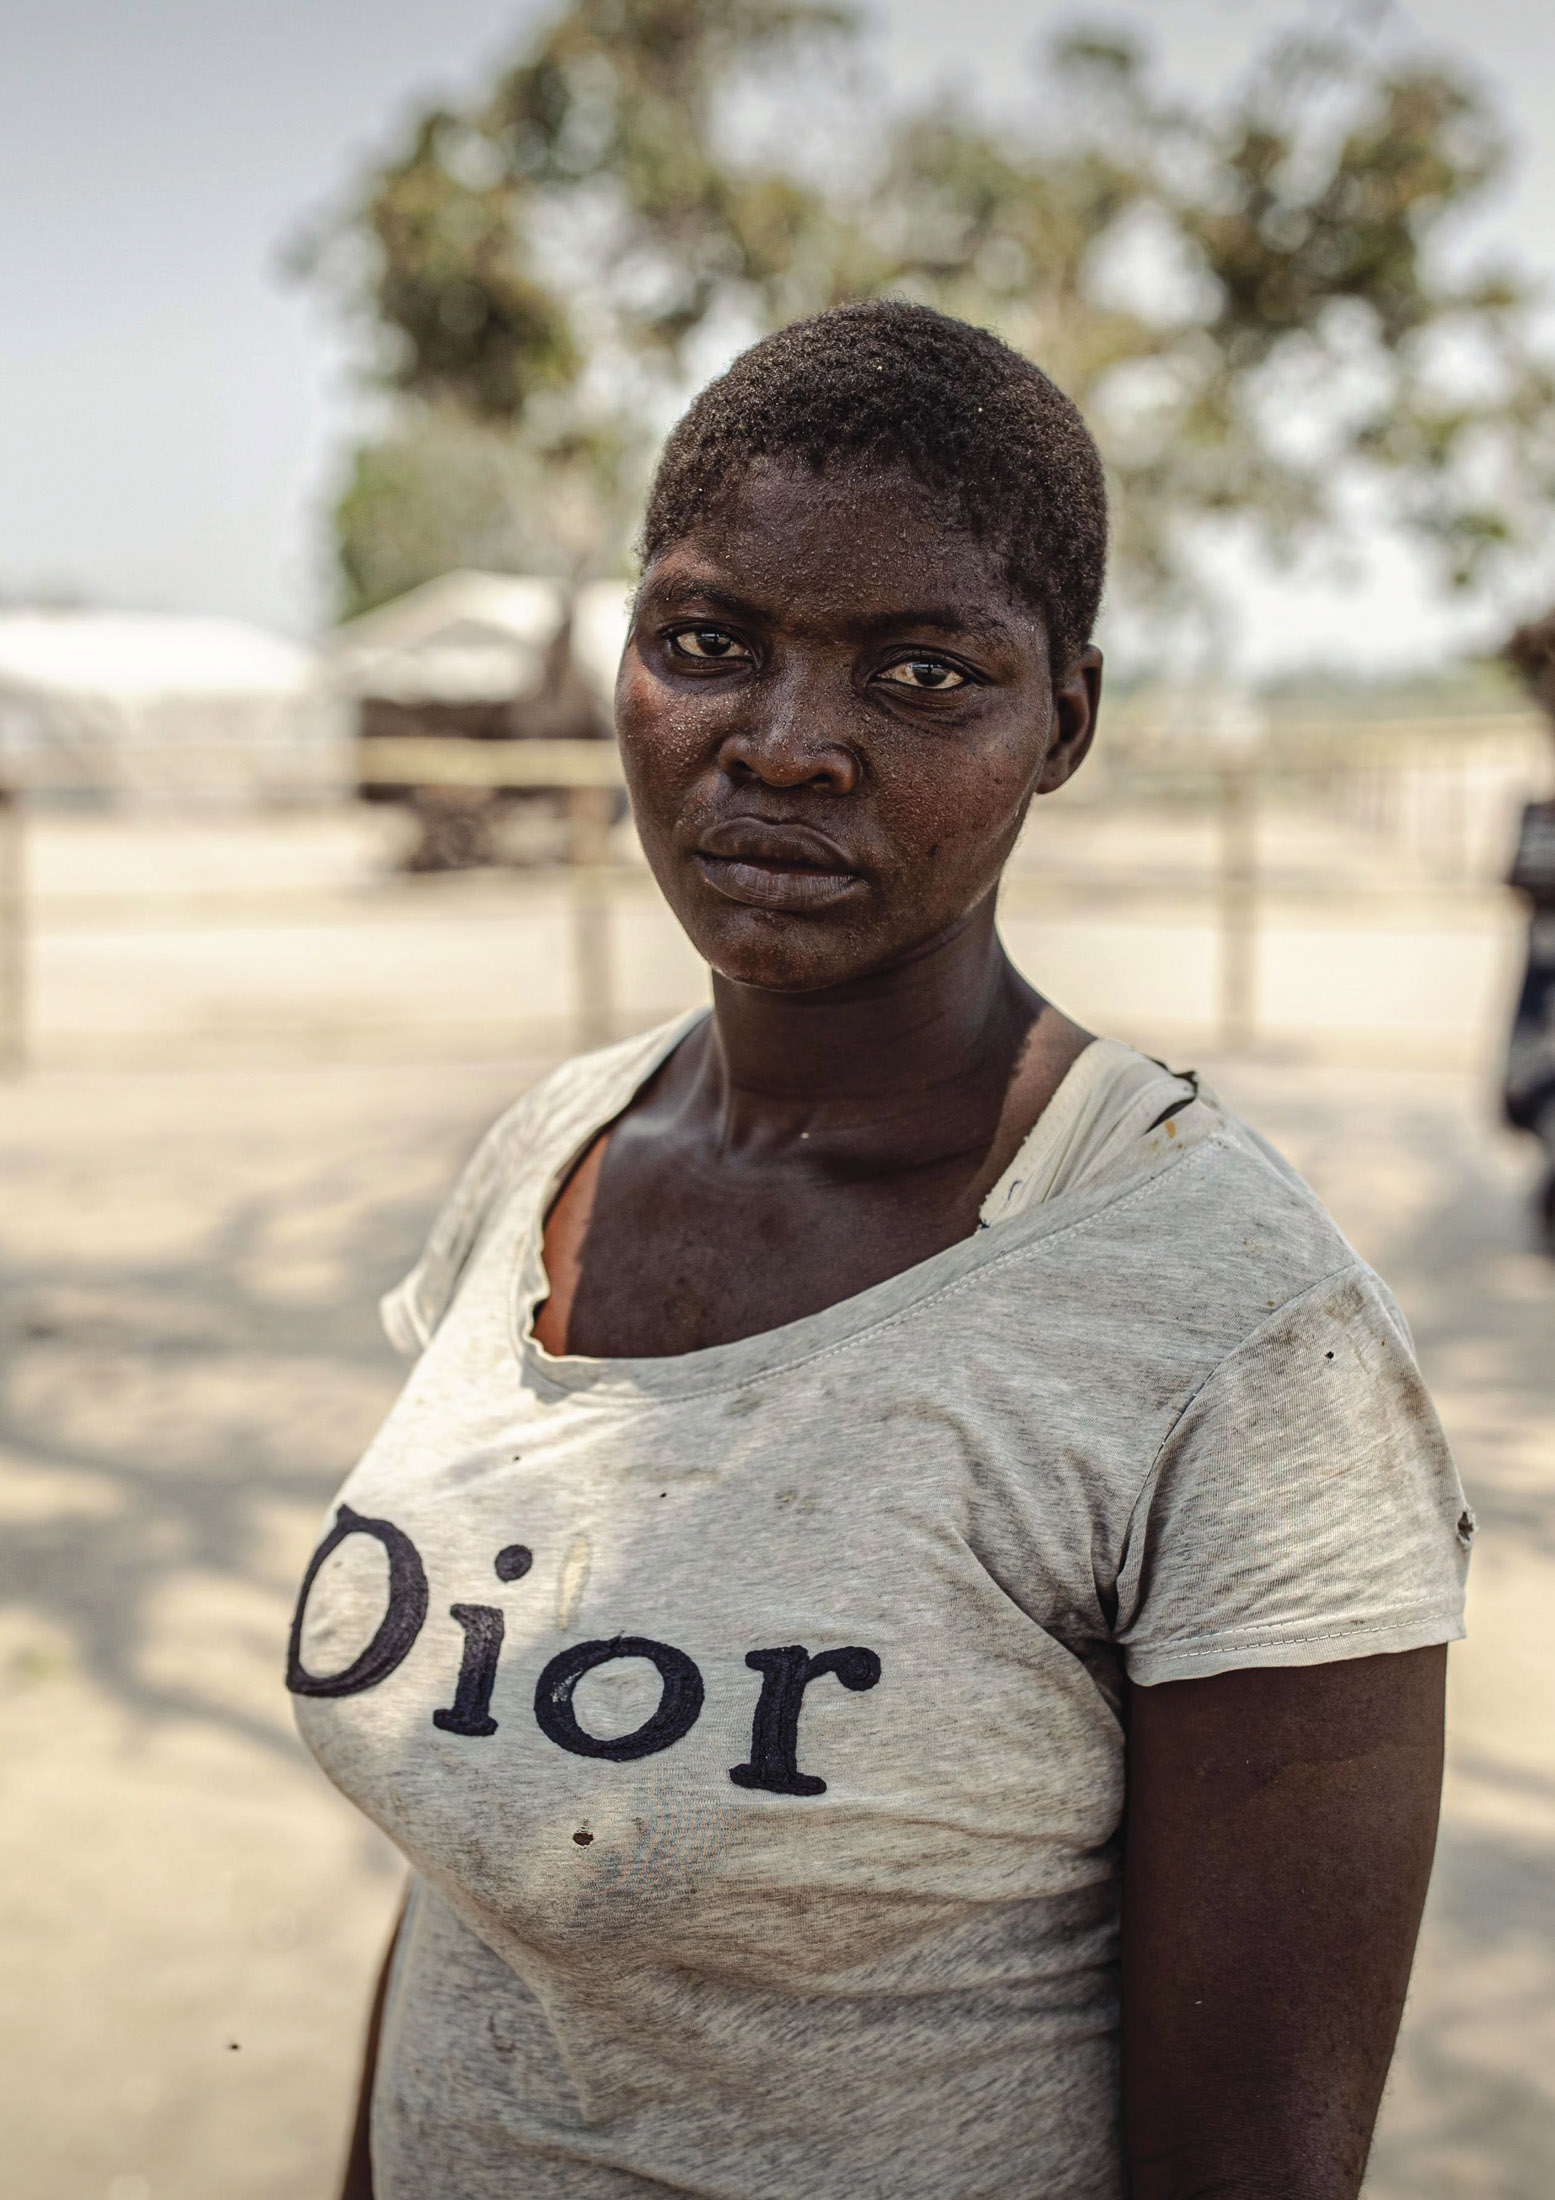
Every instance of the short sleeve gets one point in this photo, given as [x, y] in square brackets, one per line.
[412, 1310]
[1305, 1508]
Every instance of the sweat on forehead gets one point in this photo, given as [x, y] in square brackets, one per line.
[888, 385]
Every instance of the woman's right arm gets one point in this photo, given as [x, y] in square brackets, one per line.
[357, 2183]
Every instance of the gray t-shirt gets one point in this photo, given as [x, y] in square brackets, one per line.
[751, 1718]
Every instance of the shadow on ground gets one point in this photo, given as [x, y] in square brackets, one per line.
[176, 1404]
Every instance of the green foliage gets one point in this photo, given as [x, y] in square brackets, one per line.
[625, 93]
[445, 493]
[1324, 252]
[1250, 301]
[470, 323]
[533, 270]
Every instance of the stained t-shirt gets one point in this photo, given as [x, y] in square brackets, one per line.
[751, 1717]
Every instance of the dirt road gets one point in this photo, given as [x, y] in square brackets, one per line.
[188, 1916]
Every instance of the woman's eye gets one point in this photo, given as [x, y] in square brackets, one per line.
[925, 673]
[709, 644]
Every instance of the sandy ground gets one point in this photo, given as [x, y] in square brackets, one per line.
[189, 1258]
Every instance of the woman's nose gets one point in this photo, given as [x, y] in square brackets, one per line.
[790, 744]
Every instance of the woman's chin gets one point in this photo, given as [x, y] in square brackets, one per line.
[789, 957]
[781, 952]
[853, 938]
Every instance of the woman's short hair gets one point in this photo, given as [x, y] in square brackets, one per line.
[891, 384]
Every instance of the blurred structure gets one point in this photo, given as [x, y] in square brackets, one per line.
[142, 708]
[1529, 1094]
[1530, 651]
[480, 657]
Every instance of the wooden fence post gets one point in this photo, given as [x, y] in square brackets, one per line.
[13, 935]
[590, 810]
[1238, 903]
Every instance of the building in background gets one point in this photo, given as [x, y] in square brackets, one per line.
[132, 707]
[480, 657]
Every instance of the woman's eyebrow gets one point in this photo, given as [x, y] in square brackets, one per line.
[705, 592]
[938, 621]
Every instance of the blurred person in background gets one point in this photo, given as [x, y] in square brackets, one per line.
[1529, 1093]
[899, 1619]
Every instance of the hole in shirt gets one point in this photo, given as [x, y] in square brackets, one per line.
[583, 1837]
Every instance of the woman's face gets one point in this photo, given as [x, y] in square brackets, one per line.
[833, 714]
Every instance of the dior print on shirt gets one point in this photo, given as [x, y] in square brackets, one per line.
[786, 1673]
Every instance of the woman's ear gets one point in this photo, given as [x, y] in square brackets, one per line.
[1076, 700]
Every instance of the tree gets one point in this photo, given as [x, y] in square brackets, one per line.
[534, 272]
[1251, 300]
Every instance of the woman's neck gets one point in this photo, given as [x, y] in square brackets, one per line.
[921, 1056]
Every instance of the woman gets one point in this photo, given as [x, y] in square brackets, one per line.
[866, 1437]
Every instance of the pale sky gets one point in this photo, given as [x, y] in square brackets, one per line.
[171, 414]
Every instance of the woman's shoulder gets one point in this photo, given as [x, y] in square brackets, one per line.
[1240, 1236]
[534, 1137]
[1176, 1210]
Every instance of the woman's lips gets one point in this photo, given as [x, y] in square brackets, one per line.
[763, 882]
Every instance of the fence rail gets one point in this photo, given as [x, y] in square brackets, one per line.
[13, 935]
[414, 760]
